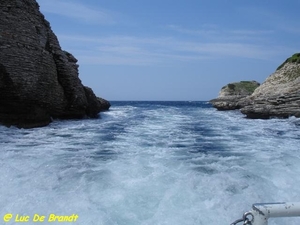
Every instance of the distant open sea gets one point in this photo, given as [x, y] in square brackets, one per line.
[150, 163]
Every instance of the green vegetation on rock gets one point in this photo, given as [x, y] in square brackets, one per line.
[248, 85]
[294, 59]
[245, 87]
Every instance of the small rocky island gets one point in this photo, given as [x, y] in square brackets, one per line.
[278, 96]
[38, 80]
[233, 95]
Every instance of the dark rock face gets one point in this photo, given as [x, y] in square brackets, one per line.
[233, 95]
[38, 80]
[227, 103]
[95, 104]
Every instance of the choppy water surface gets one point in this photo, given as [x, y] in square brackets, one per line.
[151, 163]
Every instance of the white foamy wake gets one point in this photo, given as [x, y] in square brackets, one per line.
[142, 165]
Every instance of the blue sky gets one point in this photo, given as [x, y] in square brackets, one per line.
[173, 50]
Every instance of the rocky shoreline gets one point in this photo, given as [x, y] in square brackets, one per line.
[38, 80]
[278, 96]
[233, 95]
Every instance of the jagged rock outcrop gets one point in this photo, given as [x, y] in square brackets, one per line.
[279, 95]
[38, 80]
[233, 95]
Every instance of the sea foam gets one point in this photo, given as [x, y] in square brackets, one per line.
[146, 163]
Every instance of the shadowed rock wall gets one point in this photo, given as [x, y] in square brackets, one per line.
[38, 80]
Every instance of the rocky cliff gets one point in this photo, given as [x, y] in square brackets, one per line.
[233, 95]
[38, 80]
[279, 95]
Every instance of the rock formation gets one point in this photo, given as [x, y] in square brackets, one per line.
[279, 95]
[233, 95]
[38, 80]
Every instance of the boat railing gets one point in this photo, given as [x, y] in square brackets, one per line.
[261, 212]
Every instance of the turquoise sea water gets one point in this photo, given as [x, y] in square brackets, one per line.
[148, 163]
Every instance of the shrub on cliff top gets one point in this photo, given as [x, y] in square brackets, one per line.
[241, 88]
[294, 59]
[247, 85]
